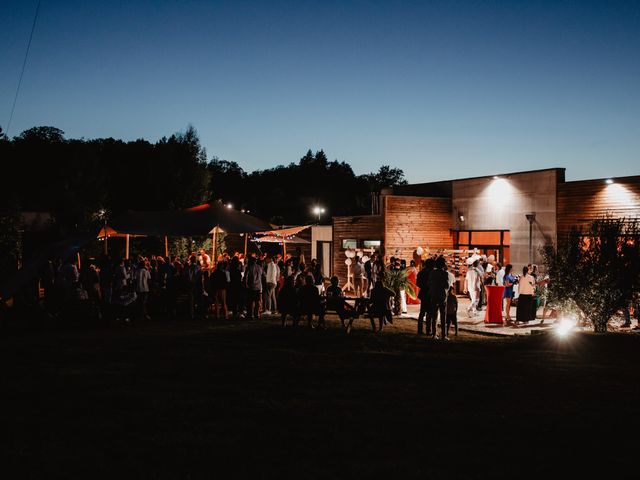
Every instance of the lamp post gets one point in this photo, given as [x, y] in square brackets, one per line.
[318, 211]
[102, 214]
[531, 217]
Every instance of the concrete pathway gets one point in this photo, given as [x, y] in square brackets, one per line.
[476, 324]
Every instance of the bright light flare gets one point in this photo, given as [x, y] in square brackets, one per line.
[566, 326]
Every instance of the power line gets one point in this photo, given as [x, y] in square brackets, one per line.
[24, 64]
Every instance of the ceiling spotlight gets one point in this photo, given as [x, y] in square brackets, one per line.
[608, 181]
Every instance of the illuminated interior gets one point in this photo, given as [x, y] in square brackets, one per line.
[488, 242]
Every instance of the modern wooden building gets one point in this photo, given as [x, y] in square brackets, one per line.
[509, 215]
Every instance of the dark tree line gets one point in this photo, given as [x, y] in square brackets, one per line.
[73, 179]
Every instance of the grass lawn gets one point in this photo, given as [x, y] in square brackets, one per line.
[250, 399]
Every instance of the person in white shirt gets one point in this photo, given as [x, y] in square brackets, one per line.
[500, 275]
[273, 275]
[472, 286]
[141, 281]
[526, 289]
[358, 274]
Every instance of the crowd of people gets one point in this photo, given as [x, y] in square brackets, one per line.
[239, 287]
[235, 286]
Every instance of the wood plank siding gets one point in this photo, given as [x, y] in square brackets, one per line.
[416, 221]
[582, 201]
[366, 227]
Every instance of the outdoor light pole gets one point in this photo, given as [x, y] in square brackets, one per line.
[318, 211]
[531, 217]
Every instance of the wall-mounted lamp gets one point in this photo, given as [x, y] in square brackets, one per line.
[461, 217]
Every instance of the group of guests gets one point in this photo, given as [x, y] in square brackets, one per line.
[437, 298]
[137, 289]
[531, 288]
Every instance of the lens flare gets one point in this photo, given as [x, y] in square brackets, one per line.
[566, 326]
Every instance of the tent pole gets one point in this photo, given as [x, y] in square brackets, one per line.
[246, 238]
[126, 247]
[79, 264]
[284, 249]
[166, 246]
[106, 248]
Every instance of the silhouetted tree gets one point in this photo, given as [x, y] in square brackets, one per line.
[596, 271]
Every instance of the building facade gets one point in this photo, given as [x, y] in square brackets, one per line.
[510, 216]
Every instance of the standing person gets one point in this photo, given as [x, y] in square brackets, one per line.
[220, 280]
[120, 277]
[412, 277]
[272, 276]
[480, 267]
[90, 279]
[438, 285]
[452, 311]
[318, 276]
[380, 305]
[69, 277]
[358, 272]
[526, 288]
[368, 273]
[509, 282]
[141, 281]
[235, 291]
[473, 286]
[500, 275]
[193, 280]
[253, 286]
[288, 301]
[422, 280]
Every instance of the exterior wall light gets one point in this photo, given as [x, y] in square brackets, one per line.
[608, 181]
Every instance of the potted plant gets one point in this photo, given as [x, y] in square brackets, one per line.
[397, 280]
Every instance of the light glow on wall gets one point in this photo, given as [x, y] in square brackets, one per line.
[499, 190]
[620, 198]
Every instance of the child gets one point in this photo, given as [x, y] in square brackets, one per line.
[452, 310]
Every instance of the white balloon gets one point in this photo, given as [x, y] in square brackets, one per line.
[359, 253]
[365, 259]
[347, 261]
[419, 251]
[350, 253]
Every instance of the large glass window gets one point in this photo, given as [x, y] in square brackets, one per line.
[488, 242]
[349, 243]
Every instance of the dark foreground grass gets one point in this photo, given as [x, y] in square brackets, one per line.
[250, 399]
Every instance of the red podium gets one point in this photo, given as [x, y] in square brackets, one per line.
[493, 313]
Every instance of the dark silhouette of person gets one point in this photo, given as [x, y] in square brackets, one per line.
[422, 283]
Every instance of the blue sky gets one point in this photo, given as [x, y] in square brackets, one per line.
[439, 89]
